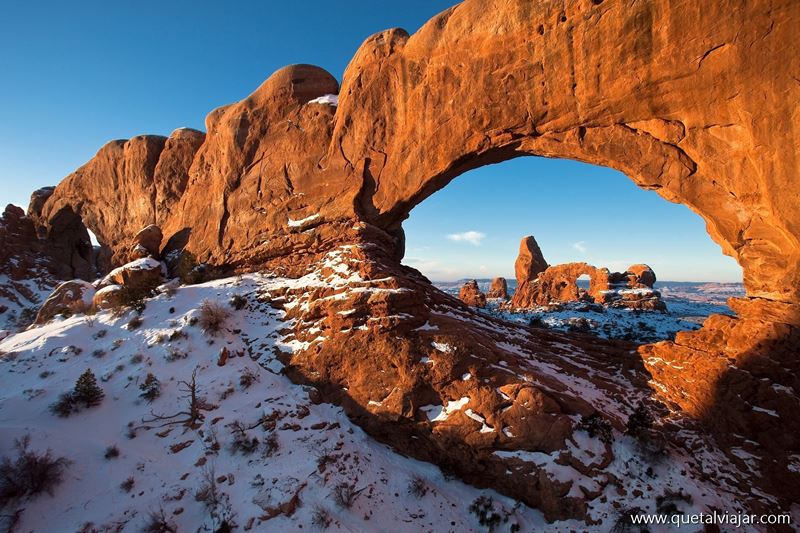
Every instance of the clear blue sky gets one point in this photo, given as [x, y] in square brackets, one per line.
[78, 74]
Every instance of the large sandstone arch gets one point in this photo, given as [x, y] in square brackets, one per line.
[671, 95]
[697, 101]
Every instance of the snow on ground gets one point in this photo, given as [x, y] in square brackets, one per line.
[303, 449]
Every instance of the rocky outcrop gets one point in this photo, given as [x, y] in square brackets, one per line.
[471, 294]
[632, 289]
[110, 297]
[140, 275]
[27, 271]
[530, 261]
[69, 298]
[147, 242]
[697, 104]
[498, 289]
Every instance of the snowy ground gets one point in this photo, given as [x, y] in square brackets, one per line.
[304, 449]
[688, 305]
[304, 452]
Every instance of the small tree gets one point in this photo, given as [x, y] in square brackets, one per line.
[150, 387]
[87, 391]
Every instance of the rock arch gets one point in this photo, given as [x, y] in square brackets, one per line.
[671, 95]
[696, 101]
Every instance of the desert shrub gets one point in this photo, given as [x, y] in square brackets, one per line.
[86, 391]
[175, 354]
[134, 323]
[64, 406]
[112, 452]
[136, 359]
[26, 317]
[344, 495]
[212, 316]
[150, 387]
[157, 522]
[417, 487]
[131, 298]
[100, 334]
[99, 353]
[237, 301]
[537, 322]
[242, 443]
[597, 427]
[321, 518]
[216, 502]
[483, 508]
[271, 444]
[640, 421]
[30, 473]
[248, 377]
[127, 485]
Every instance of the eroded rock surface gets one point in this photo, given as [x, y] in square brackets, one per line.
[697, 103]
[471, 294]
[498, 289]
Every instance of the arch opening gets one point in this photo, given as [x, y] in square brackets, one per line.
[593, 226]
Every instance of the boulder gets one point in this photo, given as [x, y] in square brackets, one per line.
[140, 275]
[147, 242]
[471, 294]
[70, 297]
[498, 289]
[530, 261]
[110, 297]
[640, 276]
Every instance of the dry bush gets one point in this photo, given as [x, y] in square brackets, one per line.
[248, 377]
[112, 452]
[30, 473]
[127, 485]
[213, 316]
[345, 494]
[417, 487]
[321, 518]
[157, 522]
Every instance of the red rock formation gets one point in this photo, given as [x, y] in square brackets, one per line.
[27, 270]
[70, 297]
[471, 294]
[694, 102]
[147, 242]
[498, 289]
[530, 261]
[640, 276]
[631, 289]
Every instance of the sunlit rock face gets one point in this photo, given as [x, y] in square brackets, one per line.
[694, 101]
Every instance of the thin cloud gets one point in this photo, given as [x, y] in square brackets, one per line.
[580, 246]
[472, 237]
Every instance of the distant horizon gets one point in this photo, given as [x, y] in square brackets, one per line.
[511, 278]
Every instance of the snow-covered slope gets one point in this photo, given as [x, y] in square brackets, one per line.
[288, 483]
